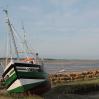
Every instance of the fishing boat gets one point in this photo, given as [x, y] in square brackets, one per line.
[23, 75]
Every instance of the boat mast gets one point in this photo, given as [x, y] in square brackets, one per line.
[25, 41]
[12, 33]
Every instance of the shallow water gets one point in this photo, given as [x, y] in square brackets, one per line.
[69, 66]
[54, 68]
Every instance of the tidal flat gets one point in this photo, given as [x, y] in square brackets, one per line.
[82, 89]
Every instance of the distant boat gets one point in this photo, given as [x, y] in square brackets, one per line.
[61, 71]
[22, 75]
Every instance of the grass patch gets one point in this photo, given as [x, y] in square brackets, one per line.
[74, 90]
[78, 87]
[19, 97]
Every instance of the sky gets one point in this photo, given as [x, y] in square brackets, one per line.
[55, 28]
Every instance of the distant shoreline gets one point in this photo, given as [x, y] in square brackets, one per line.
[68, 62]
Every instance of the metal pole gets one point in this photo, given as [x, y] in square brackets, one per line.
[12, 33]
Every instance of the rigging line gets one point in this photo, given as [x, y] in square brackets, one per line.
[6, 60]
[25, 45]
[11, 31]
[16, 33]
[10, 45]
[7, 47]
[28, 47]
[24, 41]
[19, 37]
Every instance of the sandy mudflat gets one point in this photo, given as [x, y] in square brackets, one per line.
[70, 62]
